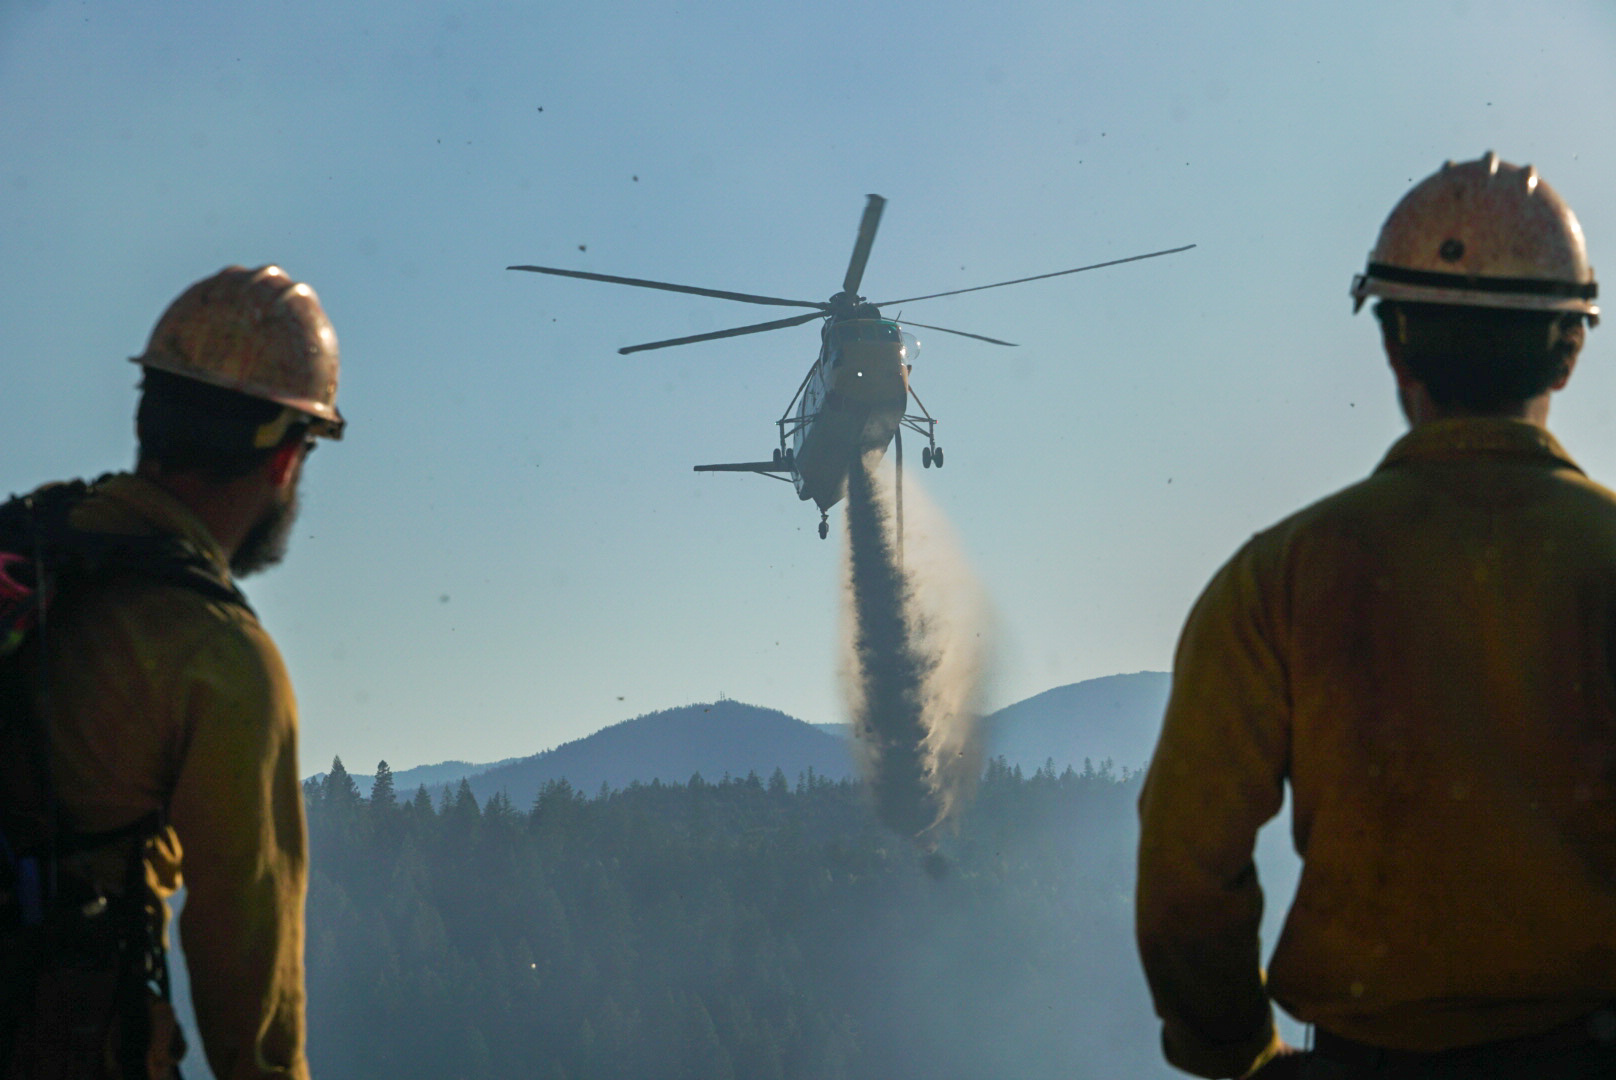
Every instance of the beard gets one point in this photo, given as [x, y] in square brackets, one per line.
[266, 542]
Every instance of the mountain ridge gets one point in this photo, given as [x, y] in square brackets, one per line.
[1112, 718]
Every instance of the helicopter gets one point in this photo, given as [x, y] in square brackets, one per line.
[855, 399]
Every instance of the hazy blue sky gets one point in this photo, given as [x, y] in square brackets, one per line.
[510, 550]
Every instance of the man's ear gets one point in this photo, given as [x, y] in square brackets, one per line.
[1393, 337]
[284, 461]
[1564, 377]
[1394, 357]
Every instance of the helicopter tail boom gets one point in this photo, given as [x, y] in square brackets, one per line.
[777, 469]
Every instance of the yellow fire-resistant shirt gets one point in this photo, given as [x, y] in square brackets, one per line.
[1429, 657]
[161, 697]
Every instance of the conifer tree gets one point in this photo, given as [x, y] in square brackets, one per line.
[340, 789]
[465, 802]
[381, 791]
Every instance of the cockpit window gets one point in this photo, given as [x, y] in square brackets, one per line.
[868, 330]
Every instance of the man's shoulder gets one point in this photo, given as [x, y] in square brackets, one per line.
[1360, 499]
[127, 584]
[1390, 499]
[193, 620]
[183, 646]
[119, 528]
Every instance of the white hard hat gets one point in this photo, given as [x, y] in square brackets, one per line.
[257, 332]
[1482, 233]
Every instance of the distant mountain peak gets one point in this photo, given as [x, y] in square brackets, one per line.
[1115, 717]
[712, 738]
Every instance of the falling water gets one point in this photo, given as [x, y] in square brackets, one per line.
[918, 642]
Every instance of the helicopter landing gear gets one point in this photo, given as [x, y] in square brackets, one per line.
[930, 456]
[824, 524]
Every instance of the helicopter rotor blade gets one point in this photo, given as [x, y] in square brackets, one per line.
[861, 247]
[961, 333]
[1037, 277]
[755, 328]
[745, 298]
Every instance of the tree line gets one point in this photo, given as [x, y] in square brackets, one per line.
[740, 928]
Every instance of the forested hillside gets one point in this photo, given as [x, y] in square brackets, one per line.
[749, 928]
[671, 744]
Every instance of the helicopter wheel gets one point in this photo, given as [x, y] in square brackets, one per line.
[777, 455]
[925, 457]
[824, 527]
[791, 457]
[937, 457]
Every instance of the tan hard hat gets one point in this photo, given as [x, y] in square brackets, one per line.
[257, 332]
[1482, 233]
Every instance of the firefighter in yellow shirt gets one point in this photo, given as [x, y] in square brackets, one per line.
[1428, 658]
[170, 700]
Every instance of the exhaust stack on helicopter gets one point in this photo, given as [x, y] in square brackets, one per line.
[855, 398]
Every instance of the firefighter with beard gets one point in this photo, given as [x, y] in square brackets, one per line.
[170, 703]
[1428, 658]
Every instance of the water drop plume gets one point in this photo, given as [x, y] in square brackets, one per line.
[917, 633]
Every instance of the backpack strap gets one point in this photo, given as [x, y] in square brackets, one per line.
[39, 544]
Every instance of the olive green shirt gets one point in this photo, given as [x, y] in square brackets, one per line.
[1429, 658]
[162, 697]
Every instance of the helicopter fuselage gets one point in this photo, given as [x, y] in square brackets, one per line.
[850, 405]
